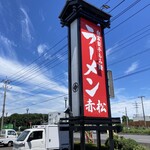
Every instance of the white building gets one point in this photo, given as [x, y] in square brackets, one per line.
[54, 117]
[141, 118]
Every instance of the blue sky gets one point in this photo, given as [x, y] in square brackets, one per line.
[33, 55]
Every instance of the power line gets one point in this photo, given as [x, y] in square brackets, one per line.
[14, 75]
[32, 77]
[60, 41]
[117, 78]
[116, 62]
[110, 53]
[107, 1]
[44, 86]
[39, 85]
[36, 69]
[136, 72]
[53, 87]
[129, 44]
[47, 63]
[105, 5]
[129, 57]
[41, 102]
[128, 39]
[133, 37]
[127, 19]
[116, 6]
[133, 34]
[125, 10]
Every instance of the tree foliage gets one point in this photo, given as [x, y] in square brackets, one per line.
[124, 119]
[24, 121]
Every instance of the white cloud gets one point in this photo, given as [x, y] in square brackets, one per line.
[60, 57]
[27, 26]
[37, 104]
[7, 47]
[118, 108]
[34, 82]
[120, 90]
[42, 15]
[42, 48]
[132, 67]
[110, 50]
[147, 45]
[121, 101]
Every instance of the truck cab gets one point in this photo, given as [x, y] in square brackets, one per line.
[7, 137]
[42, 137]
[30, 139]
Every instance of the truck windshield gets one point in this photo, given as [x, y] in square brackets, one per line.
[23, 135]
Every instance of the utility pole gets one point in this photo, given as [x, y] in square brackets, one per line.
[6, 82]
[65, 102]
[127, 121]
[65, 98]
[141, 97]
[136, 107]
[27, 110]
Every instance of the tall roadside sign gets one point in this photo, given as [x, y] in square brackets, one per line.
[87, 62]
[88, 85]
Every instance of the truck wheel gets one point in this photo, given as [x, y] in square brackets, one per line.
[10, 144]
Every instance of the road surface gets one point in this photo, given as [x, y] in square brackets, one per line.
[5, 148]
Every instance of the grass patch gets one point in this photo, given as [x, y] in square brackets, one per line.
[136, 130]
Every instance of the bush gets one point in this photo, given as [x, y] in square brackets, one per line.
[139, 147]
[121, 143]
[87, 146]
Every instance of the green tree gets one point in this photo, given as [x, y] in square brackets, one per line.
[124, 118]
[25, 120]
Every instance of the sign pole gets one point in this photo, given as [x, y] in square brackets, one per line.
[98, 139]
[82, 136]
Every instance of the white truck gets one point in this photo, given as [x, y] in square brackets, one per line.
[43, 137]
[7, 137]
